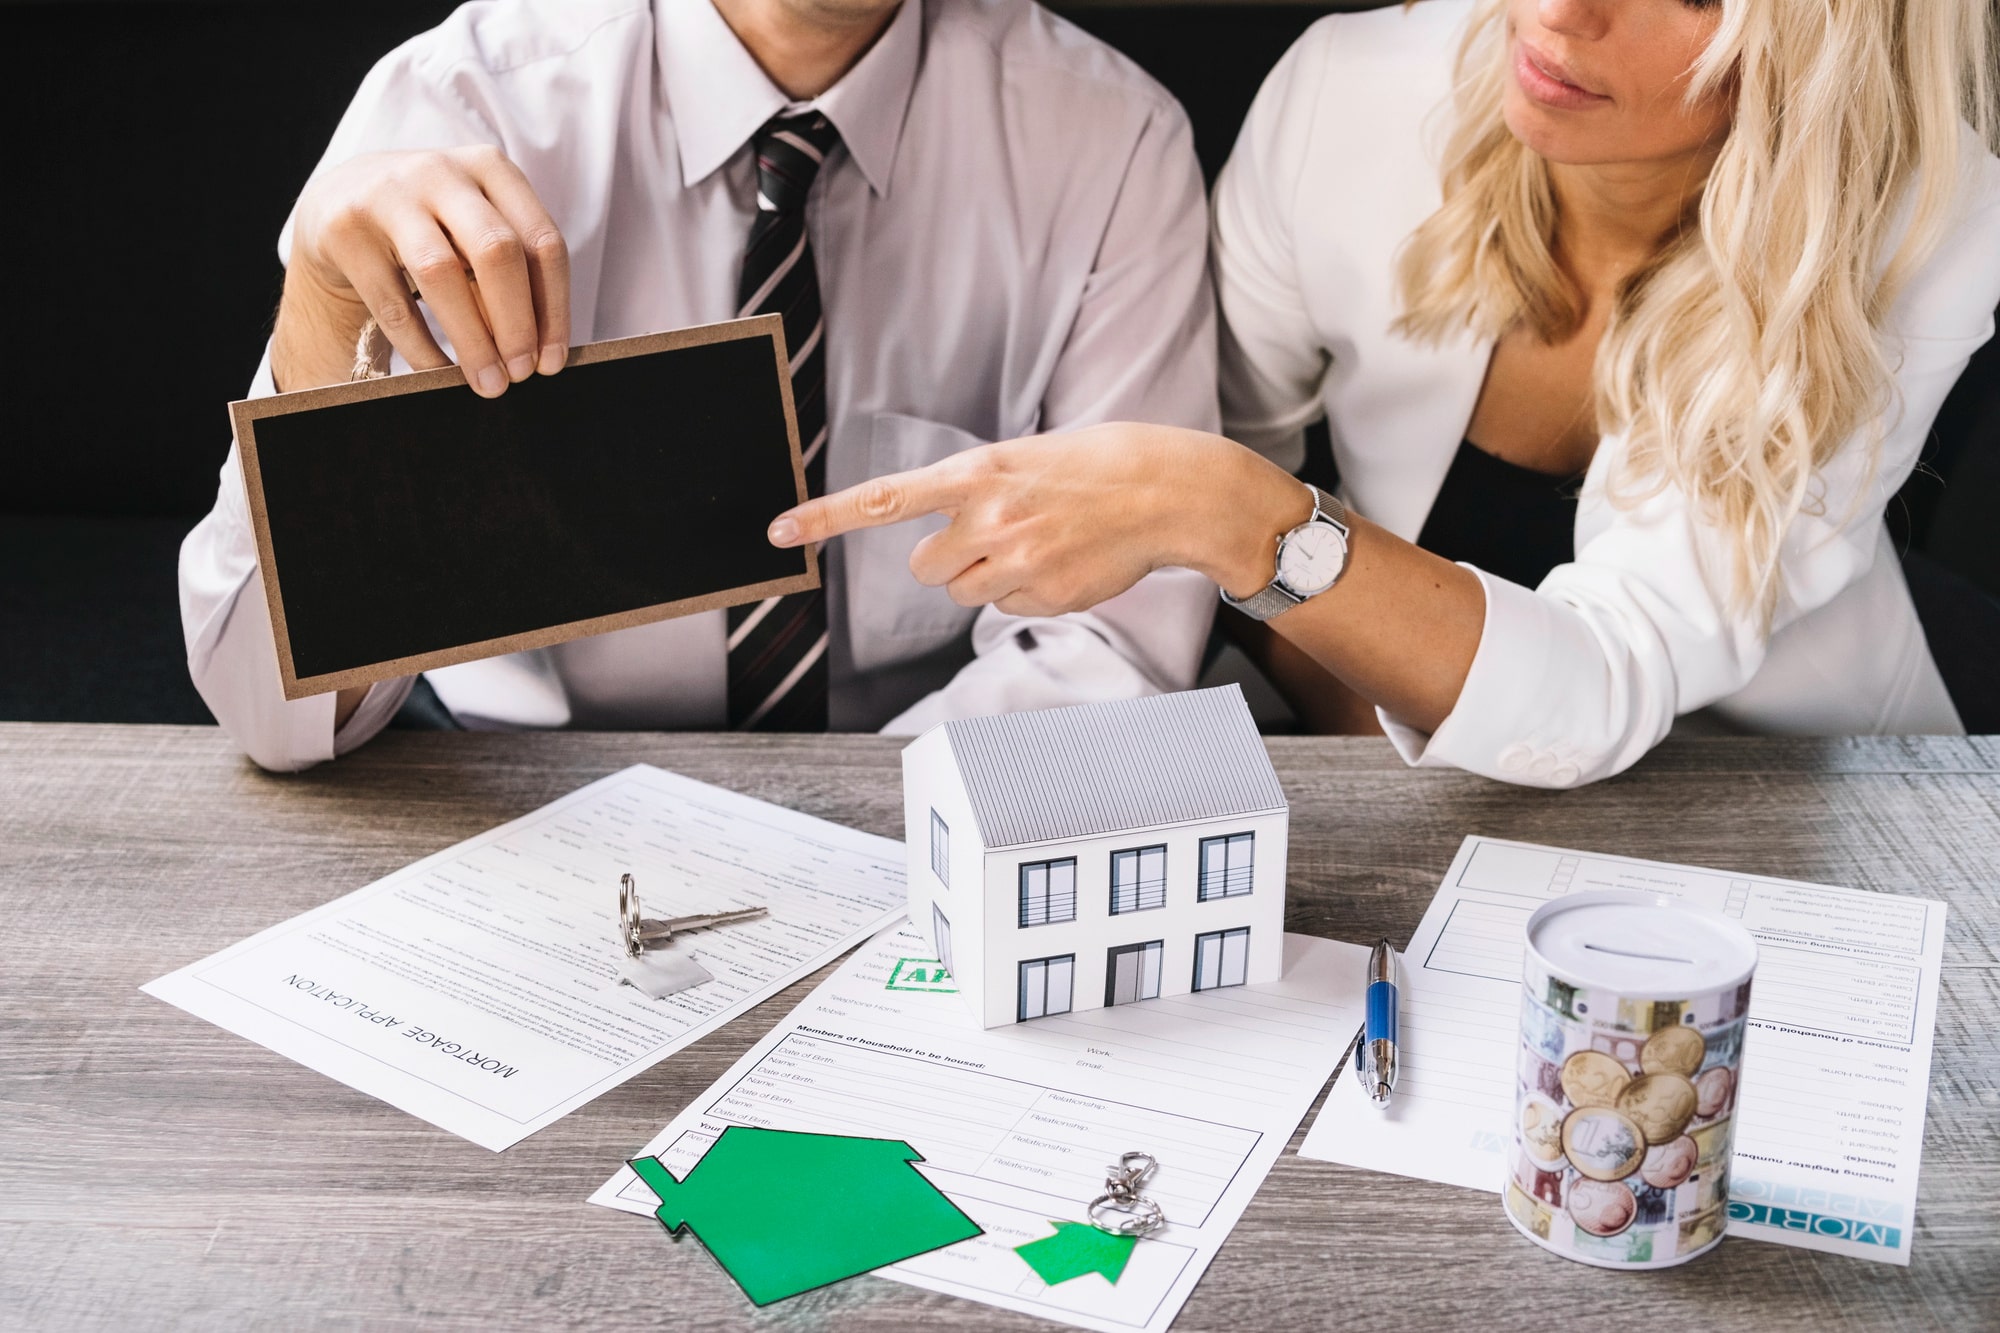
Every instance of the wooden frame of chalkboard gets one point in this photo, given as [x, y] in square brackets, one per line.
[398, 534]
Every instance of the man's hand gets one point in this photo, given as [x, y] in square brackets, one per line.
[1058, 523]
[461, 226]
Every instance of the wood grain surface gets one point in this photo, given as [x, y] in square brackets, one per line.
[157, 1172]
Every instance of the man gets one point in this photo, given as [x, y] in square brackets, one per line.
[977, 221]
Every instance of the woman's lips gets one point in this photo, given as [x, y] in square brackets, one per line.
[1544, 80]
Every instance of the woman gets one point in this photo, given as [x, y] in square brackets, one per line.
[1660, 345]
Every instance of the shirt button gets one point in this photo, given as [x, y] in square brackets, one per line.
[1565, 775]
[1543, 765]
[1515, 758]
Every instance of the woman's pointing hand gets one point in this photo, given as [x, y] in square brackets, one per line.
[1055, 523]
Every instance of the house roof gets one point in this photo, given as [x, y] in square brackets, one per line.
[1098, 768]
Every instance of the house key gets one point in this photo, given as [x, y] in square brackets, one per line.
[643, 933]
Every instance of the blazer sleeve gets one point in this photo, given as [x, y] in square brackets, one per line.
[418, 96]
[1575, 680]
[1273, 360]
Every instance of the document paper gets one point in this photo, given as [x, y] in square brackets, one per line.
[1017, 1124]
[1836, 1060]
[478, 989]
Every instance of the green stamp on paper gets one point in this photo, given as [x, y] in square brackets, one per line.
[925, 974]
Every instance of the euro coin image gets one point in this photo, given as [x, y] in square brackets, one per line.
[1712, 1092]
[1673, 1051]
[1603, 1208]
[1660, 1104]
[1668, 1164]
[1602, 1143]
[1541, 1129]
[1592, 1078]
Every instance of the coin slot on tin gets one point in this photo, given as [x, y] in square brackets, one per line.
[1633, 953]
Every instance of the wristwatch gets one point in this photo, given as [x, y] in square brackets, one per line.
[1311, 559]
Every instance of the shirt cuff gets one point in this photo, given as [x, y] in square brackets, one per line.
[1493, 729]
[384, 697]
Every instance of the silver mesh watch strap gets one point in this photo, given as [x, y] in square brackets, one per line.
[1329, 509]
[1274, 598]
[1268, 601]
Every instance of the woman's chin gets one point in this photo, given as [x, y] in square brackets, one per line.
[1545, 134]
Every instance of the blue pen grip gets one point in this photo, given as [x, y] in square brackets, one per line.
[1381, 1011]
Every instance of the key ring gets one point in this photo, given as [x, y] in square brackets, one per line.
[1122, 1210]
[639, 934]
[628, 915]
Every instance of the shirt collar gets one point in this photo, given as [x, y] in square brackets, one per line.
[719, 96]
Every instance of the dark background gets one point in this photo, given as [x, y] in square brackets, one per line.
[150, 153]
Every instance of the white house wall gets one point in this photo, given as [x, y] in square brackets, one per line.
[931, 780]
[1096, 931]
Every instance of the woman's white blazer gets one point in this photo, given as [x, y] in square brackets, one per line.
[1574, 680]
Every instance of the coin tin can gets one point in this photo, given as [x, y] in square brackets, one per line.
[1632, 1017]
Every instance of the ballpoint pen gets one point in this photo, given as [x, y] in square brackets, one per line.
[1375, 1049]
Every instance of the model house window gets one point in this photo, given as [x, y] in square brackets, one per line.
[940, 850]
[1225, 866]
[941, 938]
[1045, 985]
[1138, 879]
[1048, 891]
[1132, 972]
[1221, 958]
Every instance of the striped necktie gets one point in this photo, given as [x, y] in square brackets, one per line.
[777, 647]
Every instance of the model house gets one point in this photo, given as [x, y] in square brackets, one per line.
[1097, 855]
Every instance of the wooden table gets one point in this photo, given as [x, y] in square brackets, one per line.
[158, 1172]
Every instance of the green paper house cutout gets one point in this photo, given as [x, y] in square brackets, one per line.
[785, 1213]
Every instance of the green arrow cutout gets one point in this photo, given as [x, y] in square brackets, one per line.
[1077, 1249]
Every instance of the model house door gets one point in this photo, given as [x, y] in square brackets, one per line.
[1221, 958]
[1045, 985]
[1132, 972]
[941, 937]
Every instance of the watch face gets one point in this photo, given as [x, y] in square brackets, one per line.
[1311, 558]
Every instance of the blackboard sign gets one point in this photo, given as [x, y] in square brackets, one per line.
[407, 523]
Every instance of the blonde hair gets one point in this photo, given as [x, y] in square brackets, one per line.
[1745, 354]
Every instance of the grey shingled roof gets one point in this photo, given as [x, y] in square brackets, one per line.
[1098, 768]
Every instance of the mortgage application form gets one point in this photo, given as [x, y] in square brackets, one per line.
[1836, 1060]
[1017, 1124]
[479, 988]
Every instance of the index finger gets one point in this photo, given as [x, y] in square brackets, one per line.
[896, 498]
[544, 249]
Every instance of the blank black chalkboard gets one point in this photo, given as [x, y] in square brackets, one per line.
[407, 523]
